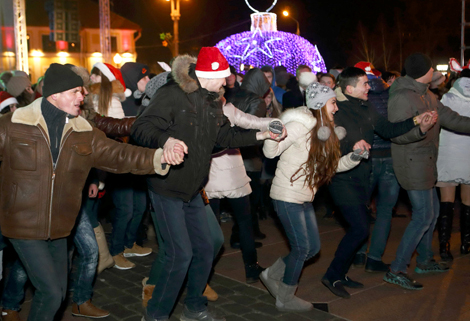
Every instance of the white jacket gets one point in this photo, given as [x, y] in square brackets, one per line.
[227, 175]
[294, 153]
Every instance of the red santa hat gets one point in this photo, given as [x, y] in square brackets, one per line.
[6, 100]
[112, 73]
[366, 66]
[212, 64]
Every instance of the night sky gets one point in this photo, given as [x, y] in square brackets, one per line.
[429, 26]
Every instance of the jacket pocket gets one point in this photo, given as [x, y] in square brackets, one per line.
[80, 157]
[23, 154]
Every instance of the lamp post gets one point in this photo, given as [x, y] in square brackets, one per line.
[286, 14]
[175, 16]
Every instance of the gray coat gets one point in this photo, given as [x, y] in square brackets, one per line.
[414, 155]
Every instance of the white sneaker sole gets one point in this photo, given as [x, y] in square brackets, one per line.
[135, 254]
[122, 267]
[90, 316]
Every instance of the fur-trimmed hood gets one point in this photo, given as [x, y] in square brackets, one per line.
[301, 115]
[118, 90]
[182, 71]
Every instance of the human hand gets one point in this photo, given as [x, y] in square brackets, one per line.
[93, 191]
[363, 145]
[270, 135]
[173, 151]
[427, 121]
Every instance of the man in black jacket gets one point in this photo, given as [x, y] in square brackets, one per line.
[350, 189]
[186, 114]
[296, 96]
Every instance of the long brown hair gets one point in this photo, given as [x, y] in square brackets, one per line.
[106, 92]
[323, 156]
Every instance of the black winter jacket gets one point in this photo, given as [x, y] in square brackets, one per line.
[249, 98]
[378, 98]
[182, 109]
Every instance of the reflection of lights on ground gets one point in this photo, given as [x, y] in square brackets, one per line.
[272, 48]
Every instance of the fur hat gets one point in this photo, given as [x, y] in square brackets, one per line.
[59, 78]
[211, 64]
[112, 73]
[6, 100]
[417, 65]
[306, 78]
[17, 84]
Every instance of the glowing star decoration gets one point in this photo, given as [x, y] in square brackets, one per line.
[264, 45]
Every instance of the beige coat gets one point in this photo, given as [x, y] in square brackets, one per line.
[294, 153]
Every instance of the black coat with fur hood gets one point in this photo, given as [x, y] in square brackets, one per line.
[182, 109]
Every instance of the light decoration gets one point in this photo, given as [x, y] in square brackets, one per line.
[36, 53]
[264, 45]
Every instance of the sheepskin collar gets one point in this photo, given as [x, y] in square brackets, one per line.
[301, 115]
[181, 72]
[340, 96]
[118, 90]
[31, 115]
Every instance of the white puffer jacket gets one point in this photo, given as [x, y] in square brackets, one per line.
[294, 153]
[227, 176]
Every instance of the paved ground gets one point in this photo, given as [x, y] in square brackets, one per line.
[445, 296]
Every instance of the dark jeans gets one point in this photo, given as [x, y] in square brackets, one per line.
[216, 234]
[13, 291]
[356, 235]
[87, 248]
[256, 200]
[244, 231]
[130, 201]
[419, 232]
[388, 189]
[46, 265]
[189, 249]
[300, 225]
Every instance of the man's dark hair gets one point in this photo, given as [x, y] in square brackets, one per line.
[350, 76]
[301, 67]
[267, 69]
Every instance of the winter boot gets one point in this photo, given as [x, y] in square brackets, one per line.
[147, 291]
[465, 229]
[444, 227]
[287, 301]
[210, 294]
[105, 260]
[272, 276]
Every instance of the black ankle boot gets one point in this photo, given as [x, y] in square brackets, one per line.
[465, 229]
[444, 227]
[252, 272]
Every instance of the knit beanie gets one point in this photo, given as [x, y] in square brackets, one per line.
[317, 95]
[153, 85]
[133, 72]
[17, 84]
[4, 78]
[59, 78]
[20, 73]
[417, 65]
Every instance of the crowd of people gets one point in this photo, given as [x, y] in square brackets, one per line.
[180, 145]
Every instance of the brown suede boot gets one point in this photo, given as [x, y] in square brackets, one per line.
[10, 315]
[88, 310]
[105, 260]
[147, 291]
[210, 294]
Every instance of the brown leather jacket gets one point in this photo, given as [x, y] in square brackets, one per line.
[40, 202]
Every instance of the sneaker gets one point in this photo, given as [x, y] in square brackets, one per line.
[196, 316]
[352, 284]
[376, 266]
[336, 287]
[359, 260]
[10, 315]
[430, 267]
[137, 250]
[402, 280]
[122, 263]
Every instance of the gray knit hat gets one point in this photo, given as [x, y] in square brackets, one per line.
[17, 84]
[317, 95]
[153, 85]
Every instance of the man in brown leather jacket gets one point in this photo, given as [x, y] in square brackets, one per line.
[46, 151]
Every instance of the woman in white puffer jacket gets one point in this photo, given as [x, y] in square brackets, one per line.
[309, 158]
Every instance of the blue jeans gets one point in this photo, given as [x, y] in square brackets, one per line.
[300, 225]
[216, 234]
[189, 249]
[88, 252]
[419, 232]
[46, 265]
[13, 291]
[130, 201]
[383, 177]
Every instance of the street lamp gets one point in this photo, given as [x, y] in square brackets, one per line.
[175, 16]
[286, 14]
